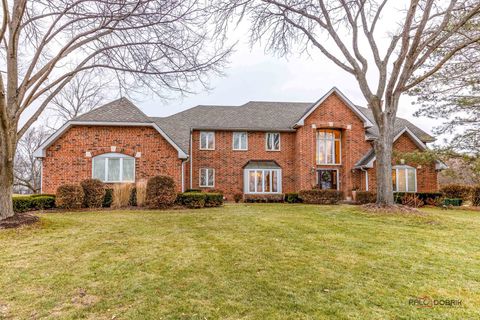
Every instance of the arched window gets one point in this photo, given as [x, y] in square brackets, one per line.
[113, 167]
[404, 179]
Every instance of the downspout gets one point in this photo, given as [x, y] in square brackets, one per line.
[366, 177]
[183, 174]
[191, 158]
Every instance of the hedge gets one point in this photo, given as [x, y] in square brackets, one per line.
[292, 197]
[430, 198]
[476, 196]
[22, 204]
[364, 197]
[94, 193]
[33, 202]
[456, 191]
[160, 192]
[192, 200]
[213, 199]
[319, 196]
[70, 196]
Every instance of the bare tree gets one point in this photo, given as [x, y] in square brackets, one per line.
[160, 45]
[27, 168]
[453, 95]
[84, 93]
[353, 35]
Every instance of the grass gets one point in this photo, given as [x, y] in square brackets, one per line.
[263, 261]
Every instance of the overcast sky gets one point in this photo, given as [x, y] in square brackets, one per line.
[255, 75]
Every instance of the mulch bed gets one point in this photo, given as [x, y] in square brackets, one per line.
[18, 220]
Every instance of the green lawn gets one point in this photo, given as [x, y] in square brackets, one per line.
[263, 261]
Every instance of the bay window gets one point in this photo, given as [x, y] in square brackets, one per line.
[328, 146]
[263, 181]
[404, 179]
[113, 167]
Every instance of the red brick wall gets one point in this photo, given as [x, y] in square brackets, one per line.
[65, 160]
[229, 163]
[426, 174]
[353, 144]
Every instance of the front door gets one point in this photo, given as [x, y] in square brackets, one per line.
[327, 179]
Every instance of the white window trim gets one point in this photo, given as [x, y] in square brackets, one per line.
[233, 141]
[200, 140]
[279, 141]
[206, 172]
[396, 168]
[108, 156]
[317, 141]
[246, 176]
[328, 169]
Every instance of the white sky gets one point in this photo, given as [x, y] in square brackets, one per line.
[255, 75]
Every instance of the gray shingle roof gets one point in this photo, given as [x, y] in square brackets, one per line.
[400, 124]
[366, 158]
[120, 110]
[254, 115]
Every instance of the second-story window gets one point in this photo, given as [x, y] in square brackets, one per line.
[328, 146]
[207, 140]
[273, 141]
[240, 141]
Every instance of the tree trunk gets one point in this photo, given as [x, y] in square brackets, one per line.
[7, 152]
[383, 152]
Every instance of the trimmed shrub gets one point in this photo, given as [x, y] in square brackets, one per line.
[364, 197]
[429, 197]
[453, 202]
[412, 200]
[192, 200]
[43, 202]
[193, 190]
[319, 196]
[160, 192]
[36, 195]
[456, 191]
[476, 196]
[292, 197]
[22, 204]
[121, 195]
[94, 193]
[214, 191]
[213, 199]
[264, 198]
[237, 197]
[108, 198]
[69, 196]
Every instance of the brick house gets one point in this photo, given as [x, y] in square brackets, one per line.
[257, 149]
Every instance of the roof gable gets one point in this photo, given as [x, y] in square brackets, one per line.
[120, 110]
[334, 90]
[369, 158]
